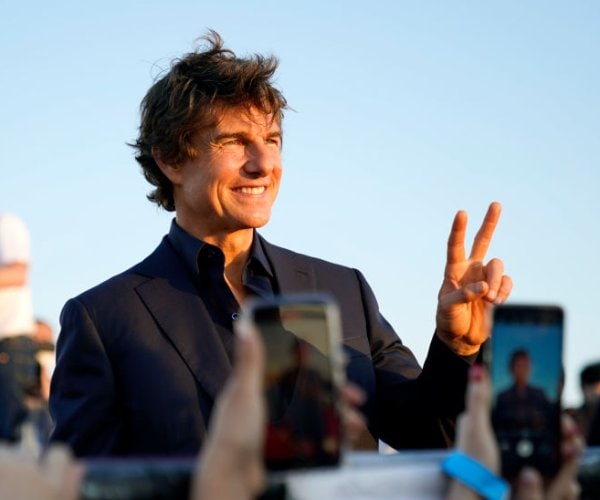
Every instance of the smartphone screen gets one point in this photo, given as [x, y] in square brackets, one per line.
[303, 376]
[527, 380]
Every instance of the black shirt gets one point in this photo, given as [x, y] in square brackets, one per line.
[206, 263]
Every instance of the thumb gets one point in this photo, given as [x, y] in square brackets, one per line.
[249, 353]
[528, 485]
[479, 393]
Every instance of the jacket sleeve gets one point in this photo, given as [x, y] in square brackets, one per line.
[83, 400]
[414, 407]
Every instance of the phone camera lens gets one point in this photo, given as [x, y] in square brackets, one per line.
[524, 448]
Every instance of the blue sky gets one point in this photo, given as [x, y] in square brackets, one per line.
[403, 113]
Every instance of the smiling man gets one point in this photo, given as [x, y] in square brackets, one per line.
[142, 356]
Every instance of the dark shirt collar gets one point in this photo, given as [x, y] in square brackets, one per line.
[189, 249]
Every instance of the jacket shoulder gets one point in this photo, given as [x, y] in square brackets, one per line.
[305, 260]
[116, 286]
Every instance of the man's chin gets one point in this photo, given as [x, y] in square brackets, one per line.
[256, 222]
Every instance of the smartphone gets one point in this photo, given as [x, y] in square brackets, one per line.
[303, 379]
[526, 370]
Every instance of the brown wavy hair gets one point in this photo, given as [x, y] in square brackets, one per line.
[187, 99]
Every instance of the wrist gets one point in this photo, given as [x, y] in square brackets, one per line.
[228, 469]
[458, 346]
[460, 491]
[474, 476]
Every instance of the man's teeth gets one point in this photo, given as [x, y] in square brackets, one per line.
[252, 190]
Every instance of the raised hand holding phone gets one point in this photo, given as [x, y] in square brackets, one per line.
[525, 359]
[303, 379]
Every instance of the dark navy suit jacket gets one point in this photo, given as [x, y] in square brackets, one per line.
[139, 361]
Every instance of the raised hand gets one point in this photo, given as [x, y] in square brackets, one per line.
[470, 287]
[231, 461]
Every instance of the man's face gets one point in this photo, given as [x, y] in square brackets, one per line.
[233, 181]
[521, 369]
[591, 393]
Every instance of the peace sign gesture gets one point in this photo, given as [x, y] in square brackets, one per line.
[470, 288]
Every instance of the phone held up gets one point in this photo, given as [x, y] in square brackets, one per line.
[524, 357]
[303, 379]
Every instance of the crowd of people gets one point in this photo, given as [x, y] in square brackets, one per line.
[146, 362]
[26, 342]
[230, 466]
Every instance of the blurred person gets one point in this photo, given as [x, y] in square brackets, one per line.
[18, 366]
[142, 356]
[39, 414]
[592, 436]
[43, 335]
[522, 405]
[44, 343]
[587, 415]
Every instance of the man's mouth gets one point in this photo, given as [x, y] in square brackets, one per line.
[251, 190]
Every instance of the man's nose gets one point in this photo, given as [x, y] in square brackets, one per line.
[261, 159]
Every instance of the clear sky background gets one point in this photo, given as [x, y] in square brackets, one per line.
[404, 113]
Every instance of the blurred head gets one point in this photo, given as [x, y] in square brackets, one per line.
[589, 379]
[520, 366]
[190, 98]
[43, 335]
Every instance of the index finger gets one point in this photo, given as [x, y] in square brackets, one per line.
[456, 240]
[483, 238]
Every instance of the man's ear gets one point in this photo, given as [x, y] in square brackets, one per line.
[170, 171]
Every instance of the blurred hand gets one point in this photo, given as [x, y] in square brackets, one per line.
[475, 436]
[470, 287]
[355, 423]
[56, 477]
[529, 484]
[231, 461]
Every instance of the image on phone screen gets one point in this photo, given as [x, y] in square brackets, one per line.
[302, 381]
[527, 379]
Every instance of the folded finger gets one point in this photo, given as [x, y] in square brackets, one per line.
[494, 270]
[506, 286]
[355, 424]
[467, 293]
[353, 395]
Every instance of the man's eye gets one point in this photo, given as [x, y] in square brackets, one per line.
[232, 142]
[274, 140]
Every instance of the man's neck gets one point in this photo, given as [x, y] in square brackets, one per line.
[237, 253]
[236, 247]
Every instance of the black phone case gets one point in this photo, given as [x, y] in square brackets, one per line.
[526, 341]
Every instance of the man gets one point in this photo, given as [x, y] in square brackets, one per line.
[141, 357]
[18, 366]
[522, 405]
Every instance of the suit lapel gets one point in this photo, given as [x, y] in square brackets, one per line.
[294, 275]
[173, 301]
